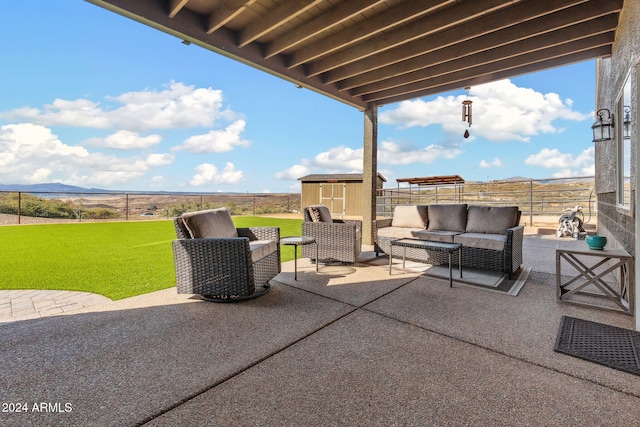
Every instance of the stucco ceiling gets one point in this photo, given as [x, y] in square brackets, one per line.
[379, 52]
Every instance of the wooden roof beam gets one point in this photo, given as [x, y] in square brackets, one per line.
[487, 74]
[429, 24]
[176, 6]
[225, 13]
[375, 79]
[393, 17]
[276, 17]
[549, 14]
[603, 51]
[429, 66]
[336, 16]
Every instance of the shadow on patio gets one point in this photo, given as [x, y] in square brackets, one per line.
[347, 346]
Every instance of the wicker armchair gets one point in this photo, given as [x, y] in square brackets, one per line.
[226, 269]
[338, 240]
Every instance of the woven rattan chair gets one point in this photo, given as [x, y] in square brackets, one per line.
[226, 269]
[338, 240]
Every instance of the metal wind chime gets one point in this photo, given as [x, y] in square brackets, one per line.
[466, 112]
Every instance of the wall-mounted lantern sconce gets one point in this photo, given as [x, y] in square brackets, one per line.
[602, 128]
[626, 128]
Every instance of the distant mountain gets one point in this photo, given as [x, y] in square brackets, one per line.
[55, 187]
[516, 178]
[50, 188]
[547, 180]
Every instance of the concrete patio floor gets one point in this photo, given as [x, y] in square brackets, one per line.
[345, 346]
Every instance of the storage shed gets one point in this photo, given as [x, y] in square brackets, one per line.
[341, 193]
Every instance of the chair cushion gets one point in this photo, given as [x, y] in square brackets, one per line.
[320, 213]
[262, 248]
[436, 235]
[494, 242]
[448, 217]
[491, 219]
[212, 223]
[410, 216]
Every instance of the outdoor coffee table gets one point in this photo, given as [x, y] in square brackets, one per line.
[296, 241]
[428, 245]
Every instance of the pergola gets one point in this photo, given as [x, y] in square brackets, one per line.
[368, 53]
[433, 180]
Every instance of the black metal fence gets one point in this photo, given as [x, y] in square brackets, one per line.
[541, 201]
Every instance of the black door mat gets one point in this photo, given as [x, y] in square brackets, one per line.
[606, 345]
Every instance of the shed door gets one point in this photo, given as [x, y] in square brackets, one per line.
[332, 196]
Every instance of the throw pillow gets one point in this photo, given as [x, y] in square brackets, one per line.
[212, 223]
[448, 217]
[314, 214]
[410, 216]
[320, 213]
[491, 219]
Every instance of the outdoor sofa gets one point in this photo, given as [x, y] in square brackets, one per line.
[220, 262]
[491, 236]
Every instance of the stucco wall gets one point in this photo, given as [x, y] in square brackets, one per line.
[617, 223]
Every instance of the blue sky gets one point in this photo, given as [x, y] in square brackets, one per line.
[93, 99]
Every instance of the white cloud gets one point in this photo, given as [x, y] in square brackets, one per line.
[216, 141]
[102, 170]
[294, 172]
[157, 181]
[339, 158]
[495, 163]
[404, 154]
[178, 106]
[296, 187]
[207, 173]
[343, 159]
[32, 153]
[567, 164]
[502, 111]
[125, 140]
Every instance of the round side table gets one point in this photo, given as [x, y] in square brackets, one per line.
[296, 241]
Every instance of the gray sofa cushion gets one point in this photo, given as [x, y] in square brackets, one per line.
[399, 232]
[491, 219]
[448, 217]
[414, 216]
[436, 235]
[494, 242]
[212, 223]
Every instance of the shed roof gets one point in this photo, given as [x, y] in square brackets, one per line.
[336, 177]
[433, 180]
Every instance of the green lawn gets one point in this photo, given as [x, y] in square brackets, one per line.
[117, 260]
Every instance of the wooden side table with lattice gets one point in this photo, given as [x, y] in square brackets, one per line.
[601, 278]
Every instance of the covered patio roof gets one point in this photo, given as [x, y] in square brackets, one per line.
[368, 53]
